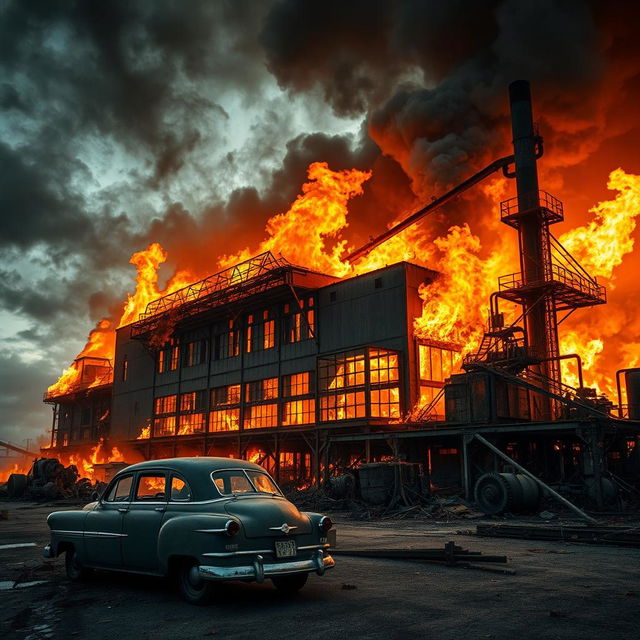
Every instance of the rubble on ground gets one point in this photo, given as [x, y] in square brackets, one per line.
[49, 479]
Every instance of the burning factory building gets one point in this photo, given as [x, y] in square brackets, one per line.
[311, 364]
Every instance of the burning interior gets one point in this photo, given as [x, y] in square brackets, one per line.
[314, 363]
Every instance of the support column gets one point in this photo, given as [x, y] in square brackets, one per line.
[466, 471]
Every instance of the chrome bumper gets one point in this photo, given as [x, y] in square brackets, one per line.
[258, 570]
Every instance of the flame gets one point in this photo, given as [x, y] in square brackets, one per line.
[16, 468]
[145, 433]
[601, 245]
[100, 344]
[454, 310]
[101, 341]
[318, 213]
[86, 464]
[454, 306]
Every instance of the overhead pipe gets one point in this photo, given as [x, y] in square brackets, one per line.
[496, 165]
[13, 447]
[570, 356]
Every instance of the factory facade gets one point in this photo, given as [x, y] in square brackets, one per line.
[268, 362]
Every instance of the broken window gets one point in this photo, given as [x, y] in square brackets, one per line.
[227, 343]
[297, 384]
[225, 413]
[436, 363]
[261, 390]
[195, 352]
[299, 321]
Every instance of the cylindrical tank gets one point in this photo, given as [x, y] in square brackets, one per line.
[498, 492]
[632, 379]
[17, 484]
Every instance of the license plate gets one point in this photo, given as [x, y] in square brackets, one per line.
[285, 548]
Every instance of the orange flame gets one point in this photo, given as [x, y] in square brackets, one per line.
[454, 306]
[318, 213]
[601, 245]
[145, 433]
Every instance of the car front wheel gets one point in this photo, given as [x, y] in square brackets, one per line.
[75, 570]
[191, 586]
[291, 583]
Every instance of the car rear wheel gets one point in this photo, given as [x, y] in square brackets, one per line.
[291, 583]
[191, 586]
[75, 570]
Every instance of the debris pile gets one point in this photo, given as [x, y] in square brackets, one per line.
[49, 479]
[385, 490]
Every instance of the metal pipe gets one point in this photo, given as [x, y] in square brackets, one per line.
[568, 356]
[496, 165]
[522, 470]
[618, 372]
[13, 447]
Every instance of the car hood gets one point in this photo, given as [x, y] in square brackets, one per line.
[259, 514]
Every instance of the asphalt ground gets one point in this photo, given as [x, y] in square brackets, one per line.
[559, 590]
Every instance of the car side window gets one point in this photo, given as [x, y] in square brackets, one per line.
[180, 491]
[121, 490]
[232, 481]
[151, 486]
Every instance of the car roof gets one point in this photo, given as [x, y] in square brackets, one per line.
[186, 465]
[195, 470]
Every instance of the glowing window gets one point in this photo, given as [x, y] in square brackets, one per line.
[259, 416]
[165, 404]
[299, 412]
[224, 420]
[221, 396]
[342, 406]
[383, 366]
[385, 403]
[297, 384]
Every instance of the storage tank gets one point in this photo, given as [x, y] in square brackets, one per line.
[632, 379]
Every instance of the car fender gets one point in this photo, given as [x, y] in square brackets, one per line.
[67, 528]
[192, 535]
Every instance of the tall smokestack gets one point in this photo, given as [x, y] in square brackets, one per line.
[533, 234]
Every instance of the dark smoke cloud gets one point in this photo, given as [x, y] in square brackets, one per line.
[450, 117]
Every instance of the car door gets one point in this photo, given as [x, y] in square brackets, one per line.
[142, 522]
[103, 533]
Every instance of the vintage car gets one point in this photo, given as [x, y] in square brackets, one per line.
[202, 520]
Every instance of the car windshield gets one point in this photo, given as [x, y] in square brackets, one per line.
[239, 481]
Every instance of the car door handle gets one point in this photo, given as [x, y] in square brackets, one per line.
[160, 509]
[123, 510]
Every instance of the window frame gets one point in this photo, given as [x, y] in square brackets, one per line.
[149, 472]
[170, 497]
[113, 483]
[246, 475]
